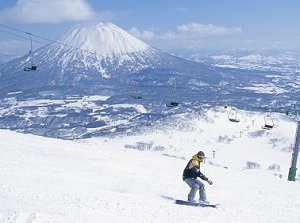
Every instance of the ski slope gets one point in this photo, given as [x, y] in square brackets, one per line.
[136, 178]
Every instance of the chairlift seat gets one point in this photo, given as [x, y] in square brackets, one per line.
[232, 115]
[32, 68]
[137, 97]
[234, 120]
[269, 123]
[267, 126]
[172, 104]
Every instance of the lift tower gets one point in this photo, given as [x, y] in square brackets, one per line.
[293, 168]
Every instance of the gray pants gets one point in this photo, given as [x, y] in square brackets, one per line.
[196, 185]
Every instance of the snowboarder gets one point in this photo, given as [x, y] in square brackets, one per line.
[190, 175]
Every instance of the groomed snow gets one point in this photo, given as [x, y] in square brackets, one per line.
[136, 178]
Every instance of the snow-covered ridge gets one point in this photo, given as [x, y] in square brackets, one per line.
[104, 39]
[268, 60]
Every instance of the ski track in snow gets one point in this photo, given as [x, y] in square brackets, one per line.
[99, 180]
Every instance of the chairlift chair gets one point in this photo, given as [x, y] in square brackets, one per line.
[269, 123]
[135, 95]
[33, 67]
[232, 115]
[173, 93]
[172, 104]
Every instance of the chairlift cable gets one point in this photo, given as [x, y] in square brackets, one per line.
[23, 37]
[49, 41]
[10, 33]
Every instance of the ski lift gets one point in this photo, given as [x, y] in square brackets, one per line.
[135, 95]
[33, 67]
[269, 123]
[172, 104]
[232, 115]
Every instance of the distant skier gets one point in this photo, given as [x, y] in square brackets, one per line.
[190, 174]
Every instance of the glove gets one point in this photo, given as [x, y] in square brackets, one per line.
[209, 182]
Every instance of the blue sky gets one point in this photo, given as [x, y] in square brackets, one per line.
[171, 25]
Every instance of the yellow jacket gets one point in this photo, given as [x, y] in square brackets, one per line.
[195, 162]
[192, 169]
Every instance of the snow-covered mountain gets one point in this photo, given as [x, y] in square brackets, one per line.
[98, 79]
[104, 48]
[87, 59]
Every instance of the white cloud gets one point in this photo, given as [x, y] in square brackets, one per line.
[146, 34]
[190, 35]
[206, 30]
[48, 11]
[188, 31]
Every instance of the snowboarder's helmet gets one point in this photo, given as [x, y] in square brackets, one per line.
[201, 155]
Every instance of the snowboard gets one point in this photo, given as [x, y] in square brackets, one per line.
[182, 202]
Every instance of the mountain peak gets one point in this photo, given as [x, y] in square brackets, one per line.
[104, 39]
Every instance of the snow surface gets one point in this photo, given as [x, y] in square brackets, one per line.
[136, 178]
